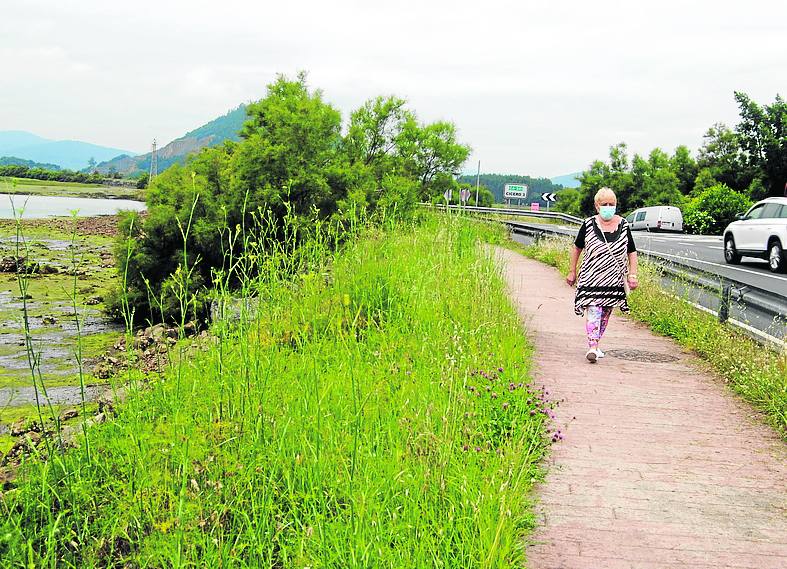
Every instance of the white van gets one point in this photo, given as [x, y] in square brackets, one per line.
[656, 218]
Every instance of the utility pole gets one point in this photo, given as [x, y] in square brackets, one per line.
[478, 180]
[153, 162]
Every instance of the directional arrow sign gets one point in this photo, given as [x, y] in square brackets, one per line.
[547, 197]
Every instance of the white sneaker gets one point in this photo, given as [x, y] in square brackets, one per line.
[599, 353]
[591, 355]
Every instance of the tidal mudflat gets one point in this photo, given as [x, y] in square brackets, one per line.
[65, 266]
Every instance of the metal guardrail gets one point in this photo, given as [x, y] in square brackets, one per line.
[510, 211]
[745, 295]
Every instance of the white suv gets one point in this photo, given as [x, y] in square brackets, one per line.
[761, 232]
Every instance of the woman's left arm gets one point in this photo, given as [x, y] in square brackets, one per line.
[632, 276]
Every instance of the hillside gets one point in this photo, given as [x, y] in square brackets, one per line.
[567, 180]
[69, 154]
[215, 132]
[495, 183]
[14, 161]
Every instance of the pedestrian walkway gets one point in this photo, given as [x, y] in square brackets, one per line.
[661, 465]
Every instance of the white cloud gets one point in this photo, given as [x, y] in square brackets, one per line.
[534, 87]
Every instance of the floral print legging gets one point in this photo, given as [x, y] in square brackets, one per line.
[598, 318]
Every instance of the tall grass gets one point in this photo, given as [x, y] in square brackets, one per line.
[757, 373]
[373, 411]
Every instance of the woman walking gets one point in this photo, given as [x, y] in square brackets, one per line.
[609, 264]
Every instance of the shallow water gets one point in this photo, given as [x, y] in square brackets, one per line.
[37, 207]
[65, 395]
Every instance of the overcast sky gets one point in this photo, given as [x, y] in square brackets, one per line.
[538, 88]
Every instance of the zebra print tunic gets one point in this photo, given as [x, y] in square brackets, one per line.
[601, 275]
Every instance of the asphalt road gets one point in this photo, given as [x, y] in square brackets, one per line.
[707, 252]
[704, 252]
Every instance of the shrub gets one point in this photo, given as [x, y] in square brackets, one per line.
[714, 208]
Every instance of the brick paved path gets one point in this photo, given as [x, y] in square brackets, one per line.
[661, 466]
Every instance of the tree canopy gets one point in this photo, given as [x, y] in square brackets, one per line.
[293, 168]
[748, 162]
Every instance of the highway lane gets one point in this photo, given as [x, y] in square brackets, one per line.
[707, 252]
[704, 252]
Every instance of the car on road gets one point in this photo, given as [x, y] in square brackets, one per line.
[760, 232]
[656, 218]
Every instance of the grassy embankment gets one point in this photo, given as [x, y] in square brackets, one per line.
[756, 373]
[376, 413]
[50, 306]
[28, 186]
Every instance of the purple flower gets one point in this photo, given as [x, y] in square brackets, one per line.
[466, 448]
[478, 449]
[500, 369]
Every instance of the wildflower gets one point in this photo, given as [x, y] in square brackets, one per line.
[500, 369]
[466, 448]
[478, 449]
[493, 395]
[505, 405]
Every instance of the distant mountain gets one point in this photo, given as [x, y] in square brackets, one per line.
[568, 180]
[215, 132]
[70, 154]
[14, 161]
[10, 139]
[496, 184]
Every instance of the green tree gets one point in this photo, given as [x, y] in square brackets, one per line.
[685, 169]
[142, 181]
[569, 201]
[291, 138]
[722, 155]
[703, 181]
[762, 134]
[375, 129]
[291, 166]
[430, 153]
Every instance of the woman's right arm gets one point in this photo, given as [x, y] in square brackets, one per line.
[571, 278]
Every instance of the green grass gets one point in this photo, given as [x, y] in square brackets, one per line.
[377, 413]
[755, 372]
[68, 189]
[50, 183]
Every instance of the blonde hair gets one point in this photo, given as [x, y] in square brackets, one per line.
[604, 193]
